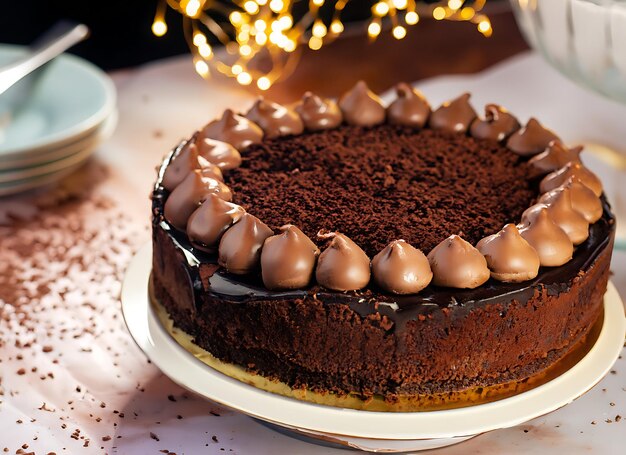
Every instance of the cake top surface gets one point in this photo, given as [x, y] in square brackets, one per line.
[384, 183]
[441, 181]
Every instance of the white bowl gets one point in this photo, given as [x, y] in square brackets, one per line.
[69, 101]
[584, 39]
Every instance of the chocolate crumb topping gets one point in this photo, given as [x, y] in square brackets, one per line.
[354, 180]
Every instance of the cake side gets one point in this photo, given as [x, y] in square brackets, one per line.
[322, 346]
[401, 403]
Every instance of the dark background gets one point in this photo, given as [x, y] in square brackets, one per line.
[122, 37]
[121, 30]
[121, 33]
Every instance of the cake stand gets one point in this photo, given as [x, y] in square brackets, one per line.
[366, 430]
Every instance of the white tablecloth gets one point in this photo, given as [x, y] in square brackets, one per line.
[72, 380]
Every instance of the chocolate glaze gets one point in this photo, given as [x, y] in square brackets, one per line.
[213, 280]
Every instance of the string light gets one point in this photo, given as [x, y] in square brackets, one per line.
[315, 43]
[192, 7]
[381, 8]
[336, 26]
[159, 27]
[263, 83]
[285, 22]
[261, 37]
[374, 29]
[205, 50]
[251, 7]
[202, 68]
[245, 50]
[235, 18]
[399, 32]
[276, 6]
[319, 29]
[290, 46]
[467, 13]
[484, 26]
[439, 13]
[244, 78]
[411, 18]
[199, 39]
[236, 69]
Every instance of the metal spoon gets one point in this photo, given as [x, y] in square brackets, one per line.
[18, 78]
[62, 39]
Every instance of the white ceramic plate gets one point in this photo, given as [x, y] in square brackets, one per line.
[62, 158]
[29, 184]
[70, 99]
[79, 152]
[99, 134]
[194, 375]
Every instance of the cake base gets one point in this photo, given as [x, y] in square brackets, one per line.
[404, 403]
[384, 430]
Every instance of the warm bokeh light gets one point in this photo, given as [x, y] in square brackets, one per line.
[251, 7]
[439, 13]
[277, 6]
[285, 22]
[202, 68]
[336, 26]
[205, 50]
[159, 28]
[191, 7]
[236, 69]
[374, 29]
[319, 29]
[411, 18]
[484, 27]
[244, 78]
[315, 43]
[467, 13]
[290, 46]
[381, 8]
[199, 39]
[266, 30]
[263, 83]
[235, 18]
[455, 4]
[245, 50]
[399, 32]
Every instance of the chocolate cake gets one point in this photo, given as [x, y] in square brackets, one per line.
[382, 253]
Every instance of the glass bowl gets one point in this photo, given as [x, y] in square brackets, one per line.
[584, 39]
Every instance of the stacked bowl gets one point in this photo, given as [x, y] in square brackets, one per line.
[52, 123]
